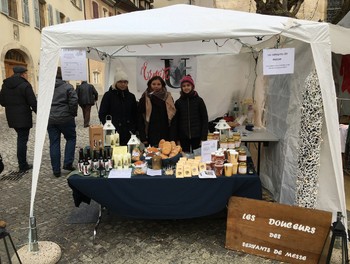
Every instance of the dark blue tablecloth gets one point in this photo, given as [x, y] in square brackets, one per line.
[164, 197]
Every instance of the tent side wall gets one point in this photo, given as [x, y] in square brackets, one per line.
[283, 106]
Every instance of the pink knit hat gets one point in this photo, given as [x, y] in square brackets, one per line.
[187, 78]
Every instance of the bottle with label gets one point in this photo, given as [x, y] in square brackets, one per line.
[105, 160]
[250, 114]
[86, 166]
[100, 159]
[88, 155]
[81, 160]
[235, 112]
[95, 163]
[109, 159]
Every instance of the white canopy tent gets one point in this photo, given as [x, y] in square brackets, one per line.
[223, 39]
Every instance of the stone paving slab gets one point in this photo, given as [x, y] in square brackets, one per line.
[118, 240]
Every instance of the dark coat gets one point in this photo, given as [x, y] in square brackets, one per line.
[64, 106]
[19, 100]
[191, 117]
[122, 106]
[158, 126]
[87, 94]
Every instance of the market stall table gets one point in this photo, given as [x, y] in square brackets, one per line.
[259, 136]
[163, 197]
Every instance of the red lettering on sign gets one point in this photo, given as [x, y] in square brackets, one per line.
[149, 73]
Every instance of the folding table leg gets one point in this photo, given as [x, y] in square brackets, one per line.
[97, 222]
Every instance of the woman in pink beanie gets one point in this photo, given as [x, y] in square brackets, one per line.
[191, 116]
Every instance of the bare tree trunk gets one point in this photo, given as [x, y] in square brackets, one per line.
[290, 8]
[287, 8]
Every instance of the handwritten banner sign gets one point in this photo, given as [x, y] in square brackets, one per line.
[73, 64]
[171, 69]
[286, 233]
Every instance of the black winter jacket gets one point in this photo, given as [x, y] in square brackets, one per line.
[122, 106]
[191, 117]
[19, 100]
[87, 94]
[64, 106]
[158, 127]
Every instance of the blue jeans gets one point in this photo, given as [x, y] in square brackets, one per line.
[22, 139]
[69, 133]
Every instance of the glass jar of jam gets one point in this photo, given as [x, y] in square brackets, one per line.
[242, 155]
[156, 162]
[242, 168]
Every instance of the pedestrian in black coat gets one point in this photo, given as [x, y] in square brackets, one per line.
[19, 100]
[156, 110]
[191, 116]
[121, 104]
[87, 96]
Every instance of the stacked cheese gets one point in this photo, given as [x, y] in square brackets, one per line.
[189, 167]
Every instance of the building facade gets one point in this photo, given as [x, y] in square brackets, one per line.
[322, 10]
[105, 8]
[22, 21]
[21, 24]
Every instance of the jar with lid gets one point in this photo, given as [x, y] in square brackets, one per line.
[242, 155]
[156, 162]
[242, 168]
[223, 143]
[231, 144]
[236, 136]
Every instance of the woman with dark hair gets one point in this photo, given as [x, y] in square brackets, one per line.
[156, 110]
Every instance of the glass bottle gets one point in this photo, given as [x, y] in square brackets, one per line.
[95, 163]
[86, 166]
[235, 111]
[100, 159]
[88, 155]
[81, 160]
[109, 159]
[105, 160]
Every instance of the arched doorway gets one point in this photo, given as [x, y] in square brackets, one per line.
[12, 58]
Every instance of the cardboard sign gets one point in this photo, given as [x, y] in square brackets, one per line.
[286, 233]
[96, 136]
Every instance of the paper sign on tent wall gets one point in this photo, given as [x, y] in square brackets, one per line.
[278, 61]
[73, 64]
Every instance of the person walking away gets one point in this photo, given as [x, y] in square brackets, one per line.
[156, 110]
[87, 96]
[191, 116]
[18, 98]
[64, 108]
[121, 104]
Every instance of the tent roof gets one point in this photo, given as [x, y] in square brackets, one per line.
[186, 29]
[156, 31]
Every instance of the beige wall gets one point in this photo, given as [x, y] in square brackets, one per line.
[311, 9]
[97, 68]
[28, 39]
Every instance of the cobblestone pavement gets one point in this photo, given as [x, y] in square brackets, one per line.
[118, 240]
